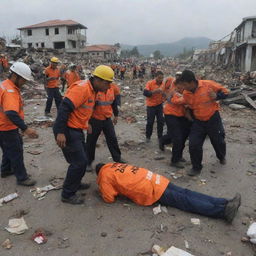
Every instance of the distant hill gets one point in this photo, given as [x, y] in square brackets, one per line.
[171, 49]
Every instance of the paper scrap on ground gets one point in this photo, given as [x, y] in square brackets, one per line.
[39, 193]
[158, 209]
[8, 198]
[252, 233]
[17, 226]
[195, 221]
[173, 251]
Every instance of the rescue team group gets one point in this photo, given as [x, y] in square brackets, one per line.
[191, 109]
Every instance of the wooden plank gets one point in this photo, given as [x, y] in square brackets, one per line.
[249, 100]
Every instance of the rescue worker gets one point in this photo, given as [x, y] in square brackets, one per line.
[201, 96]
[71, 75]
[122, 72]
[106, 104]
[168, 87]
[73, 116]
[52, 74]
[178, 124]
[146, 188]
[134, 72]
[4, 64]
[11, 120]
[154, 102]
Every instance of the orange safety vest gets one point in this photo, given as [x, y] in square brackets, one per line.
[139, 184]
[50, 72]
[200, 102]
[103, 104]
[82, 95]
[10, 99]
[155, 99]
[169, 107]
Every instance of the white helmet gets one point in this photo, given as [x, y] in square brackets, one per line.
[22, 70]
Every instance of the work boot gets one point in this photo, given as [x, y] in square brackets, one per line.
[75, 199]
[161, 144]
[223, 161]
[122, 161]
[6, 174]
[48, 114]
[182, 160]
[89, 168]
[28, 182]
[232, 208]
[194, 172]
[84, 186]
[178, 165]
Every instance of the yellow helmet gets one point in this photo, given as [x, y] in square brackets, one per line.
[54, 60]
[104, 72]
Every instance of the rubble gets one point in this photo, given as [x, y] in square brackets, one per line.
[7, 244]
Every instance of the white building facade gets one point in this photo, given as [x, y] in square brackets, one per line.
[56, 34]
[245, 45]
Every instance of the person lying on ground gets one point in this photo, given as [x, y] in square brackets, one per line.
[146, 188]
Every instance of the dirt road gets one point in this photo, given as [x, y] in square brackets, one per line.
[123, 228]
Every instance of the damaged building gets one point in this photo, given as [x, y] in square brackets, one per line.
[245, 45]
[56, 34]
[103, 52]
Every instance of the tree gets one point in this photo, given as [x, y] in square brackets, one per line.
[134, 52]
[157, 55]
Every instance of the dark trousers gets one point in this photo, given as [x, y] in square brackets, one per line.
[12, 159]
[199, 130]
[122, 75]
[75, 155]
[52, 93]
[178, 128]
[190, 201]
[108, 129]
[152, 112]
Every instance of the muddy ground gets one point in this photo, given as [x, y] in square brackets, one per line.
[123, 228]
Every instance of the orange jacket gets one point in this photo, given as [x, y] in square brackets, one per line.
[10, 99]
[103, 104]
[82, 95]
[155, 99]
[71, 77]
[169, 107]
[200, 102]
[140, 185]
[50, 72]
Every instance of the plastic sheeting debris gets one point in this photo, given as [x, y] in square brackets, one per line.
[17, 226]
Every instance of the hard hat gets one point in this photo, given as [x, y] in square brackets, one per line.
[54, 60]
[22, 70]
[72, 65]
[178, 73]
[104, 72]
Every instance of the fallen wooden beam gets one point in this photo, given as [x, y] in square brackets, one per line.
[249, 100]
[239, 99]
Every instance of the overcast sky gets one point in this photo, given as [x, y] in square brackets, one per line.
[132, 21]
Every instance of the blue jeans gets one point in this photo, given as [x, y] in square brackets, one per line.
[190, 201]
[75, 155]
[12, 159]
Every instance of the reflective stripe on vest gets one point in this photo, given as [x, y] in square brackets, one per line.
[85, 106]
[103, 103]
